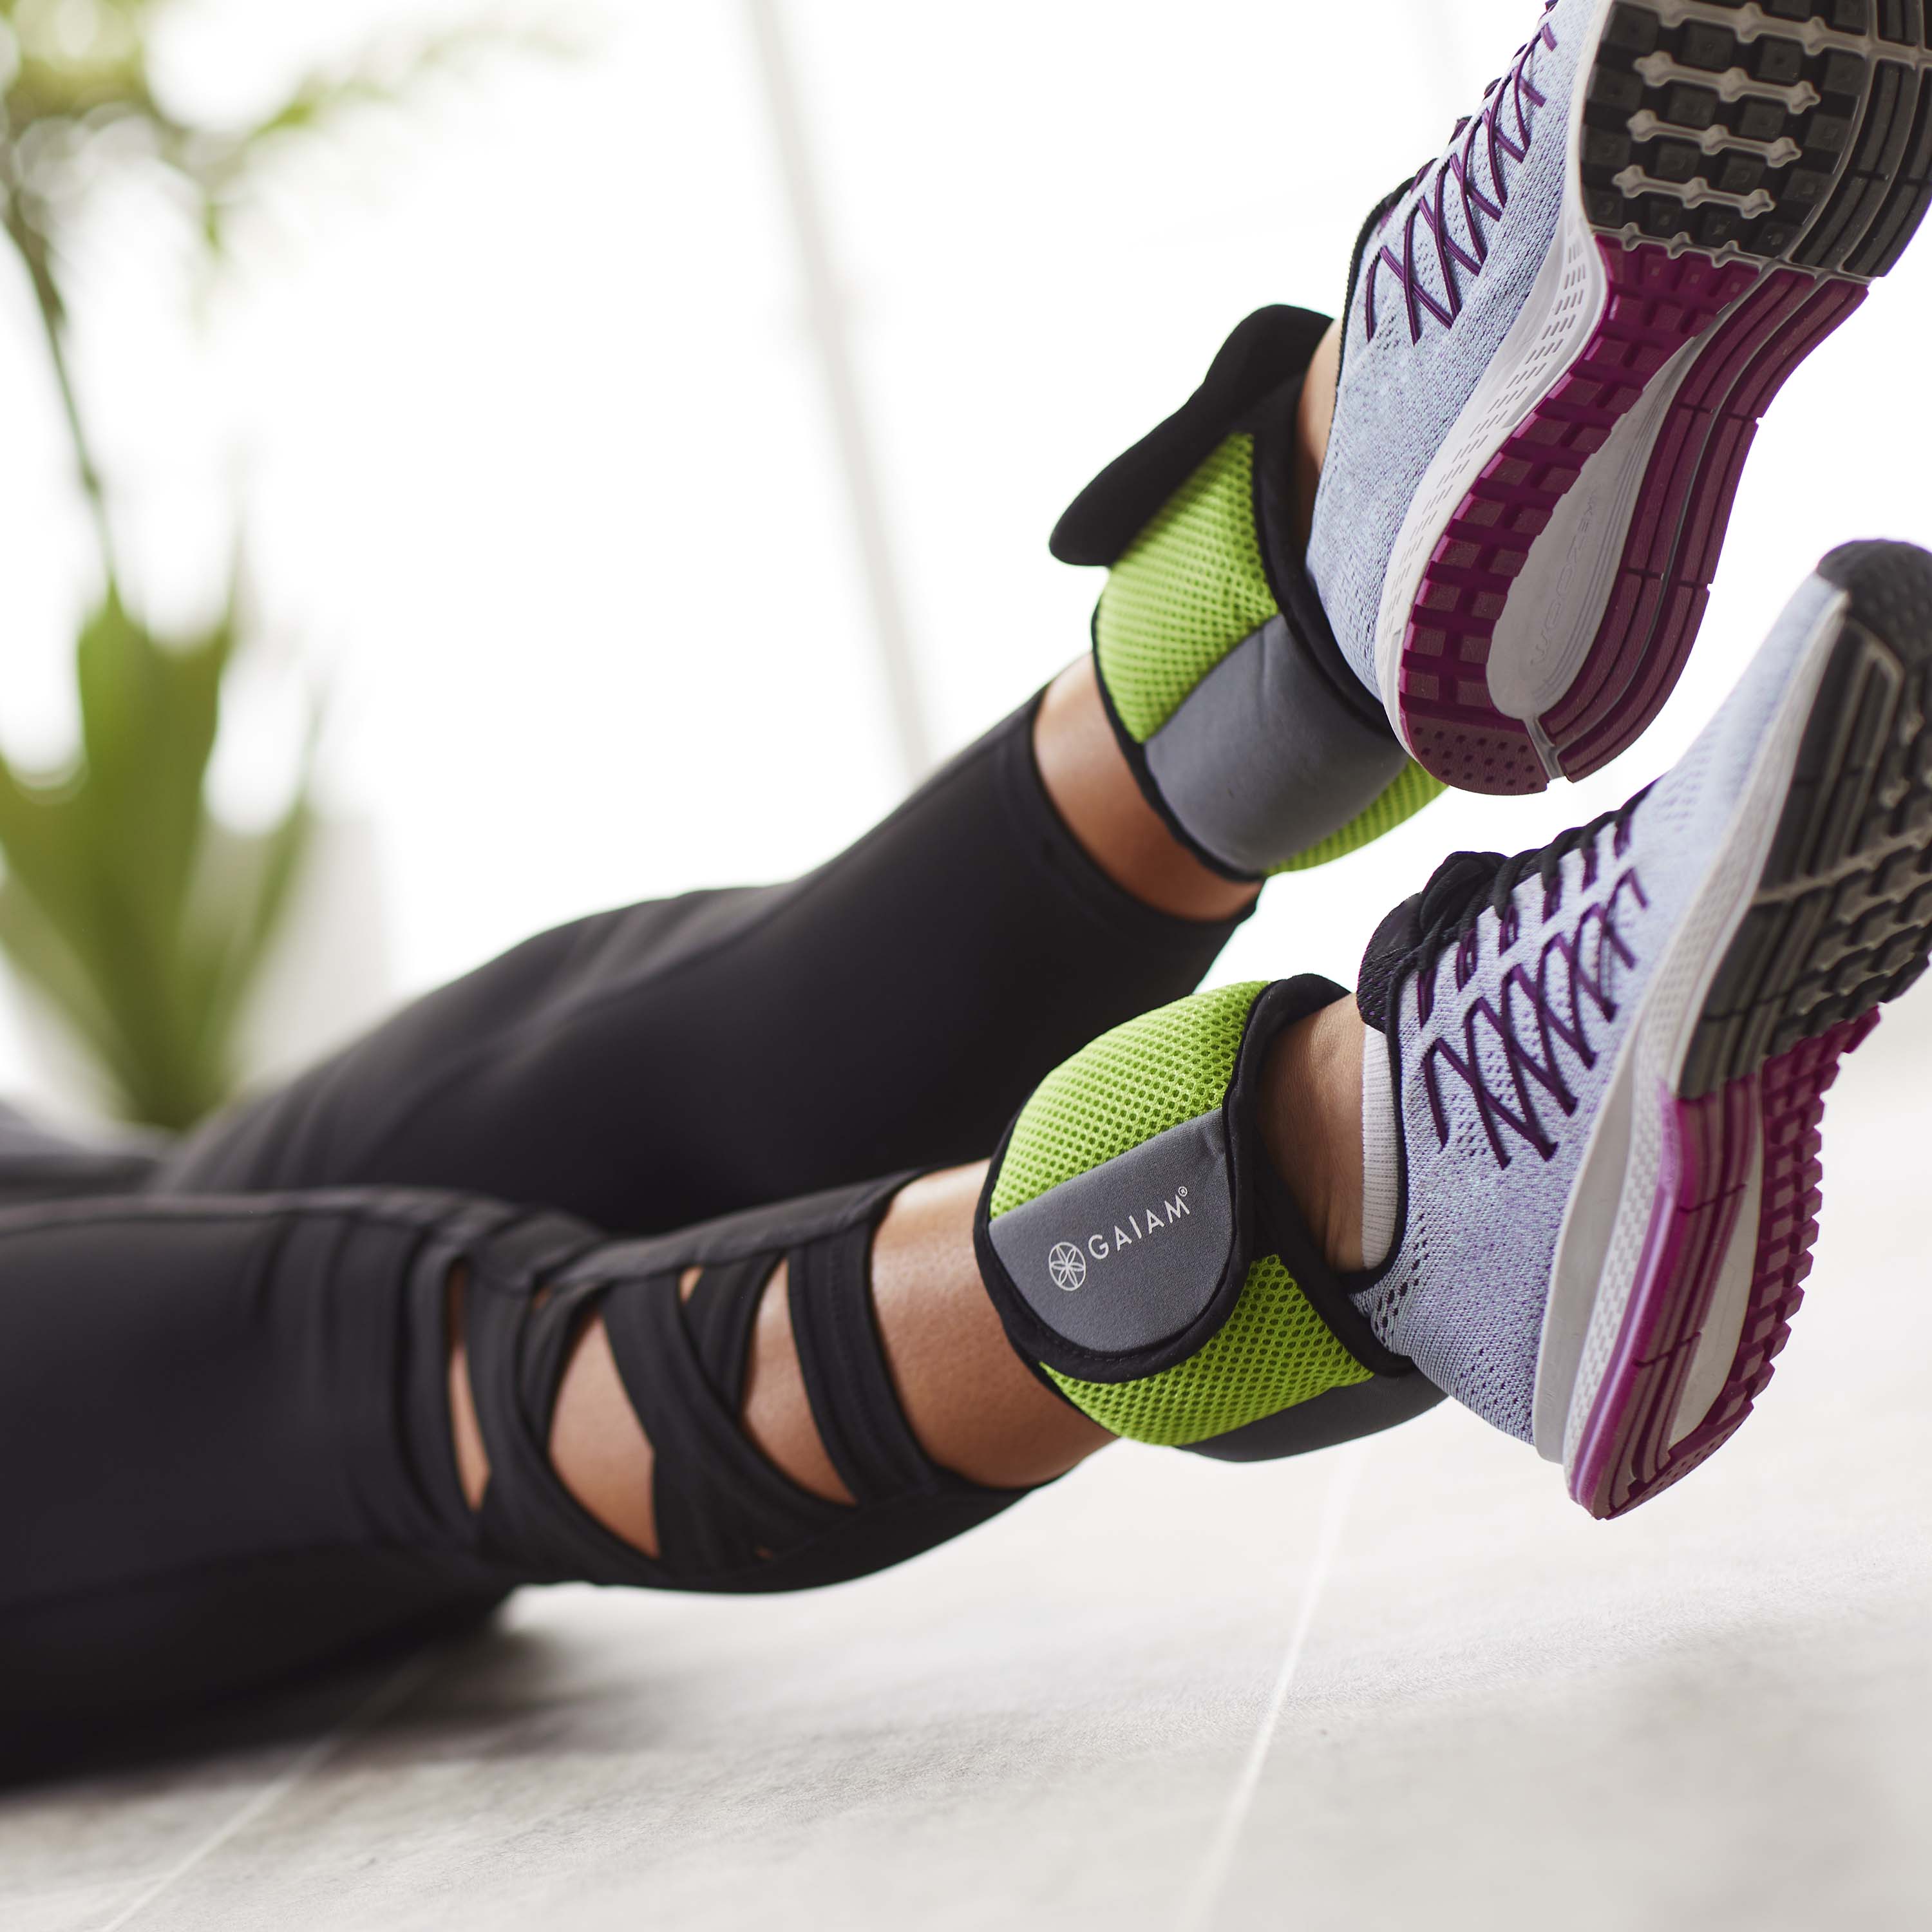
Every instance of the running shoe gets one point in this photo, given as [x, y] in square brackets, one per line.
[1610, 1056]
[1561, 336]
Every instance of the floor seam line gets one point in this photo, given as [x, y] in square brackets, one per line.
[377, 1705]
[1198, 1913]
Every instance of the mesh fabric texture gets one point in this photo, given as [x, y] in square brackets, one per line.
[1273, 1351]
[1466, 1295]
[1404, 799]
[1172, 1065]
[1399, 399]
[1188, 589]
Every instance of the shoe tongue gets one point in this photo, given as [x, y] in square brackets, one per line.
[1455, 885]
[1393, 941]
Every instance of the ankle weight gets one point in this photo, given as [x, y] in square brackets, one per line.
[1241, 720]
[1140, 1249]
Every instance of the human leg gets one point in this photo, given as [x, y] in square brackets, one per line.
[264, 1431]
[219, 1422]
[255, 1435]
[656, 1065]
[1042, 887]
[229, 1425]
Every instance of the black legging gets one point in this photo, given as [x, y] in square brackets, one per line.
[223, 1430]
[687, 1057]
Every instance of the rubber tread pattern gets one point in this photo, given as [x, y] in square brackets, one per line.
[1842, 916]
[1663, 584]
[1841, 921]
[1657, 303]
[1777, 169]
[1785, 1104]
[1802, 146]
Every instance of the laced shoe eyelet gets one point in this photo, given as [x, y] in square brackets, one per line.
[1541, 1011]
[1430, 206]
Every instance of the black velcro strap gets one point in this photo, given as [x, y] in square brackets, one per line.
[720, 1312]
[727, 1519]
[1337, 1415]
[720, 1505]
[1274, 346]
[853, 1403]
[535, 1246]
[518, 1337]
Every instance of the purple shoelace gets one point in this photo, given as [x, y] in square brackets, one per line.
[1540, 1004]
[1513, 99]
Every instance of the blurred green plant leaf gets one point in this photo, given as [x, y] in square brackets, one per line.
[140, 917]
[142, 920]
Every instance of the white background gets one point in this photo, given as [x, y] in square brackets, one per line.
[540, 483]
[542, 487]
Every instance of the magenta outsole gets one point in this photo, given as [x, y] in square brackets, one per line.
[1626, 1455]
[1766, 321]
[1663, 580]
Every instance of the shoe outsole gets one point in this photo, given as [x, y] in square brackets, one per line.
[1841, 920]
[1746, 167]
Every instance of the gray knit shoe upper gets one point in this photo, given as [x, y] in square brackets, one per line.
[1441, 280]
[1608, 1057]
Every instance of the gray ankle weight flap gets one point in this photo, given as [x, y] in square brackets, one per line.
[1264, 757]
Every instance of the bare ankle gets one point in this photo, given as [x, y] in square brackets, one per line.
[1311, 1122]
[975, 1407]
[1087, 777]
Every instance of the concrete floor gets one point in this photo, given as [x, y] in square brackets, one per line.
[1403, 1682]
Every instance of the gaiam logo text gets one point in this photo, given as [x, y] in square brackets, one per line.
[1067, 1265]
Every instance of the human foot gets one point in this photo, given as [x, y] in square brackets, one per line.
[1610, 1056]
[1237, 714]
[1559, 338]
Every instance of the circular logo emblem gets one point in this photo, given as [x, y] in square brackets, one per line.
[1067, 1265]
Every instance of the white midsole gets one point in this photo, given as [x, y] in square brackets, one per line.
[1559, 316]
[1556, 605]
[1594, 1269]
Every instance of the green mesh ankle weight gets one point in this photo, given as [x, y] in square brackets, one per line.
[1138, 1245]
[1246, 728]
